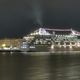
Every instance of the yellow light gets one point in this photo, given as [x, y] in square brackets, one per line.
[3, 45]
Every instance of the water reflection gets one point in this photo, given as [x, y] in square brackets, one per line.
[18, 66]
[38, 68]
[65, 67]
[23, 67]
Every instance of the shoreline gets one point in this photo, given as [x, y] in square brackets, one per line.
[44, 53]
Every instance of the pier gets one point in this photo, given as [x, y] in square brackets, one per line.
[10, 44]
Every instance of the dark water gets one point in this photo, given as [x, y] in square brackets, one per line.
[19, 66]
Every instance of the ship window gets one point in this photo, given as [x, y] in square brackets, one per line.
[78, 37]
[56, 43]
[67, 43]
[62, 43]
[73, 43]
[48, 42]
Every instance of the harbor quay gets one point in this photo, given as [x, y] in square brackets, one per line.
[10, 44]
[43, 40]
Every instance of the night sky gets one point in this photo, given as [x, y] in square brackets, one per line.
[19, 17]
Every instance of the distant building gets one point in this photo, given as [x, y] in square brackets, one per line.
[10, 42]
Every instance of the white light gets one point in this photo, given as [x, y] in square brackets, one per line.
[52, 46]
[78, 44]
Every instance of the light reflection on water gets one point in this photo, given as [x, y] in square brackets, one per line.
[18, 66]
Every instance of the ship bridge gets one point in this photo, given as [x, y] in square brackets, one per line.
[47, 36]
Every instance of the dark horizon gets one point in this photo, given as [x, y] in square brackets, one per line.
[19, 17]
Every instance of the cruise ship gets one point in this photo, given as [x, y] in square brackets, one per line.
[46, 39]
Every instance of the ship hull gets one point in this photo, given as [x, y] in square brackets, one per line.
[47, 48]
[42, 48]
